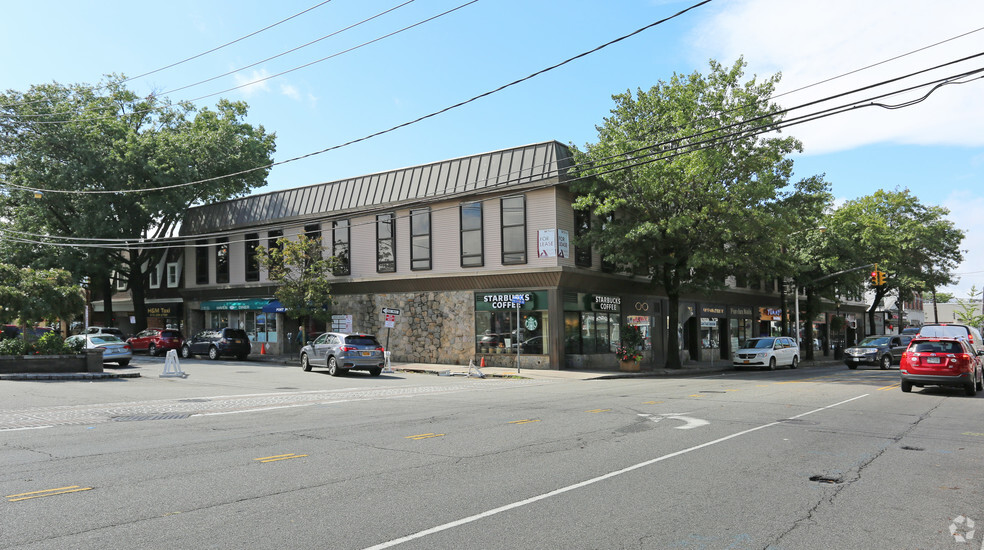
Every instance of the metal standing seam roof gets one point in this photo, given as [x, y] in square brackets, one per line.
[504, 169]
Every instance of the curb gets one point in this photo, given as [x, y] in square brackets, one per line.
[68, 375]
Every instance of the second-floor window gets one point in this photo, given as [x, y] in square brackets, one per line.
[340, 247]
[312, 232]
[420, 239]
[385, 243]
[222, 260]
[582, 225]
[201, 262]
[513, 230]
[252, 266]
[471, 235]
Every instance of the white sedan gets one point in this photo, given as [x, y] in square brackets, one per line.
[114, 349]
[767, 352]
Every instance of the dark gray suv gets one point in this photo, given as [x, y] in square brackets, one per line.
[340, 352]
[217, 342]
[877, 350]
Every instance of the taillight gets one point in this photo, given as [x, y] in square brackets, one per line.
[347, 348]
[380, 348]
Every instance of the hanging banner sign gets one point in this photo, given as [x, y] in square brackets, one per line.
[546, 243]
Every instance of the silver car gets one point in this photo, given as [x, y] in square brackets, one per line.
[340, 352]
[114, 349]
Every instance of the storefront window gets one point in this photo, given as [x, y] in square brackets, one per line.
[591, 323]
[642, 324]
[710, 333]
[497, 329]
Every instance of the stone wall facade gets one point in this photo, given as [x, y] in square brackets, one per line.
[433, 327]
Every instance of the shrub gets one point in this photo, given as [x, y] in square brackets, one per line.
[12, 346]
[49, 344]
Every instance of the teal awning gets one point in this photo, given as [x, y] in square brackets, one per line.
[223, 305]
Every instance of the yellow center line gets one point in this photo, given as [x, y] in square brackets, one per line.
[695, 395]
[275, 458]
[524, 421]
[893, 386]
[651, 402]
[423, 436]
[46, 493]
[598, 410]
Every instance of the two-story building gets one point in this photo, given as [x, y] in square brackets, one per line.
[449, 244]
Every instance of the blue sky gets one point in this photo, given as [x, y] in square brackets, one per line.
[935, 148]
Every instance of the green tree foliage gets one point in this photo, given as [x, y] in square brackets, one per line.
[303, 273]
[689, 220]
[914, 244]
[970, 312]
[106, 139]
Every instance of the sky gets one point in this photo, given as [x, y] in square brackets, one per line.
[421, 56]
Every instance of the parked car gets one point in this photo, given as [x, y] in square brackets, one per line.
[944, 330]
[33, 333]
[217, 342]
[767, 352]
[876, 350]
[911, 331]
[340, 352]
[156, 341]
[114, 349]
[105, 330]
[942, 362]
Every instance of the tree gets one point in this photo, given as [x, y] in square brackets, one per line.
[303, 273]
[30, 295]
[937, 297]
[686, 221]
[971, 312]
[106, 141]
[915, 245]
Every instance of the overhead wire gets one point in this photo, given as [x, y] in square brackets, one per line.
[657, 155]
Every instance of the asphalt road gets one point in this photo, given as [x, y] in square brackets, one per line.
[247, 454]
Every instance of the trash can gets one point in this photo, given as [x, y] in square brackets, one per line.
[838, 352]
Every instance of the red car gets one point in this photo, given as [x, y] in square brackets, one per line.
[156, 341]
[942, 362]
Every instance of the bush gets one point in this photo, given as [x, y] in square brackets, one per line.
[49, 344]
[12, 346]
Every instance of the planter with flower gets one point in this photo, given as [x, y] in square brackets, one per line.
[629, 350]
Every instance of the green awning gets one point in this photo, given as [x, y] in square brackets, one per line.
[225, 305]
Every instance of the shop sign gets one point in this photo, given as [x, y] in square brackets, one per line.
[164, 311]
[504, 300]
[606, 303]
[563, 244]
[708, 322]
[546, 246]
[712, 310]
[740, 311]
[770, 314]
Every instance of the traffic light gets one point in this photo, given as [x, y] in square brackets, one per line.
[874, 278]
[880, 278]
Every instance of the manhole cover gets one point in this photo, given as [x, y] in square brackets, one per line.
[139, 417]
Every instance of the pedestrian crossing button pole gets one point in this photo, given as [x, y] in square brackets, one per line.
[519, 300]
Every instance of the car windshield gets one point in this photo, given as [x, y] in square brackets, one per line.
[361, 341]
[873, 342]
[105, 339]
[931, 346]
[760, 343]
[943, 331]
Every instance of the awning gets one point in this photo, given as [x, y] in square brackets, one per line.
[274, 307]
[224, 305]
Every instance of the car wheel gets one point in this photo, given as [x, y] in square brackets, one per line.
[376, 371]
[886, 362]
[213, 353]
[906, 387]
[333, 367]
[152, 350]
[124, 362]
[852, 367]
[186, 352]
[795, 363]
[772, 363]
[305, 362]
[971, 389]
[980, 383]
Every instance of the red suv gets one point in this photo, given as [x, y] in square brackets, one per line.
[156, 341]
[942, 362]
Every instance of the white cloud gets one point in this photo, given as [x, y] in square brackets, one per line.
[965, 213]
[812, 40]
[290, 91]
[253, 83]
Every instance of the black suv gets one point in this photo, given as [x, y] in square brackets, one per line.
[216, 343]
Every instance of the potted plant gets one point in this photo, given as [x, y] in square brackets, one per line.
[629, 350]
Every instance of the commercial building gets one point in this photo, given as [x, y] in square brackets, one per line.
[448, 245]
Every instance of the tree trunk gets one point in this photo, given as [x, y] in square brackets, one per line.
[673, 338]
[107, 290]
[138, 294]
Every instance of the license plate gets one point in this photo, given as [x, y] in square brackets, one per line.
[237, 341]
[935, 360]
[747, 361]
[366, 353]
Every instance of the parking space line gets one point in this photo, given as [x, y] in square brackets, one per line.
[46, 493]
[278, 457]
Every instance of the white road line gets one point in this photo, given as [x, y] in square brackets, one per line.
[531, 500]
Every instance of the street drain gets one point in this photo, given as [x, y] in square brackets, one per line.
[825, 479]
[908, 448]
[194, 400]
[137, 418]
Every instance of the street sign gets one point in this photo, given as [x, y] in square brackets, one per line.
[391, 311]
[518, 299]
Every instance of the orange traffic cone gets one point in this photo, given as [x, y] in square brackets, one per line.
[483, 363]
[262, 349]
